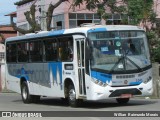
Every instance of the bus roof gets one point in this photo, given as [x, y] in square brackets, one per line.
[84, 30]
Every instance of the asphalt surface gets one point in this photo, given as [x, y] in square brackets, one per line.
[13, 102]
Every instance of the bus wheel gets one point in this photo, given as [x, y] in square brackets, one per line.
[122, 100]
[26, 97]
[73, 102]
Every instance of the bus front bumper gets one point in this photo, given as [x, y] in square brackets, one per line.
[100, 93]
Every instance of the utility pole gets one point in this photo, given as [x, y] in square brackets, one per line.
[43, 15]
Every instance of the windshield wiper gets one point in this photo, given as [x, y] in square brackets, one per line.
[115, 65]
[125, 54]
[123, 58]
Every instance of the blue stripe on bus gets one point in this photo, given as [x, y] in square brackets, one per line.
[23, 73]
[101, 76]
[135, 83]
[58, 32]
[56, 70]
[97, 30]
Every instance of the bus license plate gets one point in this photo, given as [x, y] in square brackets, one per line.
[126, 96]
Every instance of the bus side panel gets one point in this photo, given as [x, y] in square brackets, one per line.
[53, 78]
[12, 81]
[42, 78]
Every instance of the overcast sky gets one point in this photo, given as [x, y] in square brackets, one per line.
[6, 7]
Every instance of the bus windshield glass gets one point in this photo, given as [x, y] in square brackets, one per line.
[119, 50]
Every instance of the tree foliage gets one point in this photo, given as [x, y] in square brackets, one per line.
[102, 6]
[137, 10]
[140, 11]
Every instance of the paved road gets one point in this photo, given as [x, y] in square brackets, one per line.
[13, 102]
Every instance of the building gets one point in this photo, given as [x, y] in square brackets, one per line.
[5, 32]
[63, 16]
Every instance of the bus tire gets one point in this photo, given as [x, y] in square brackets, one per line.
[73, 102]
[26, 97]
[122, 100]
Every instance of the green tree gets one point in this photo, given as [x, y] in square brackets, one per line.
[137, 10]
[102, 6]
[140, 11]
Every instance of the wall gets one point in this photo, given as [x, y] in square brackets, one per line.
[2, 69]
[63, 8]
[156, 80]
[2, 77]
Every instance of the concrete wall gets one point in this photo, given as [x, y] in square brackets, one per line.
[156, 80]
[2, 77]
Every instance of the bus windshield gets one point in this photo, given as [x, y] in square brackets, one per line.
[117, 51]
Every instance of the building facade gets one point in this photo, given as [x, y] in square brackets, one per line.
[64, 16]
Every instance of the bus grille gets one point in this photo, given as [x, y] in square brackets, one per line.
[132, 91]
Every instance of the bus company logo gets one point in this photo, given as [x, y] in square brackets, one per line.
[6, 114]
[125, 81]
[23, 71]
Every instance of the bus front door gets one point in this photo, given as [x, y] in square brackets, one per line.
[80, 44]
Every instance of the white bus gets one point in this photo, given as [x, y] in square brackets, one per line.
[93, 62]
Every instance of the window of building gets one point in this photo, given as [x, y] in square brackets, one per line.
[96, 16]
[89, 16]
[116, 19]
[76, 19]
[59, 25]
[58, 22]
[1, 56]
[81, 16]
[72, 16]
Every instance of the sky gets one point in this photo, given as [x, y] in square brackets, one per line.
[6, 7]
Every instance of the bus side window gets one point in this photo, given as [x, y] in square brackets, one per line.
[22, 52]
[65, 49]
[11, 52]
[50, 49]
[36, 51]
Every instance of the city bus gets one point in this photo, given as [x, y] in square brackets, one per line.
[91, 62]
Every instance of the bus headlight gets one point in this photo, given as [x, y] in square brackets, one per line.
[98, 82]
[147, 80]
